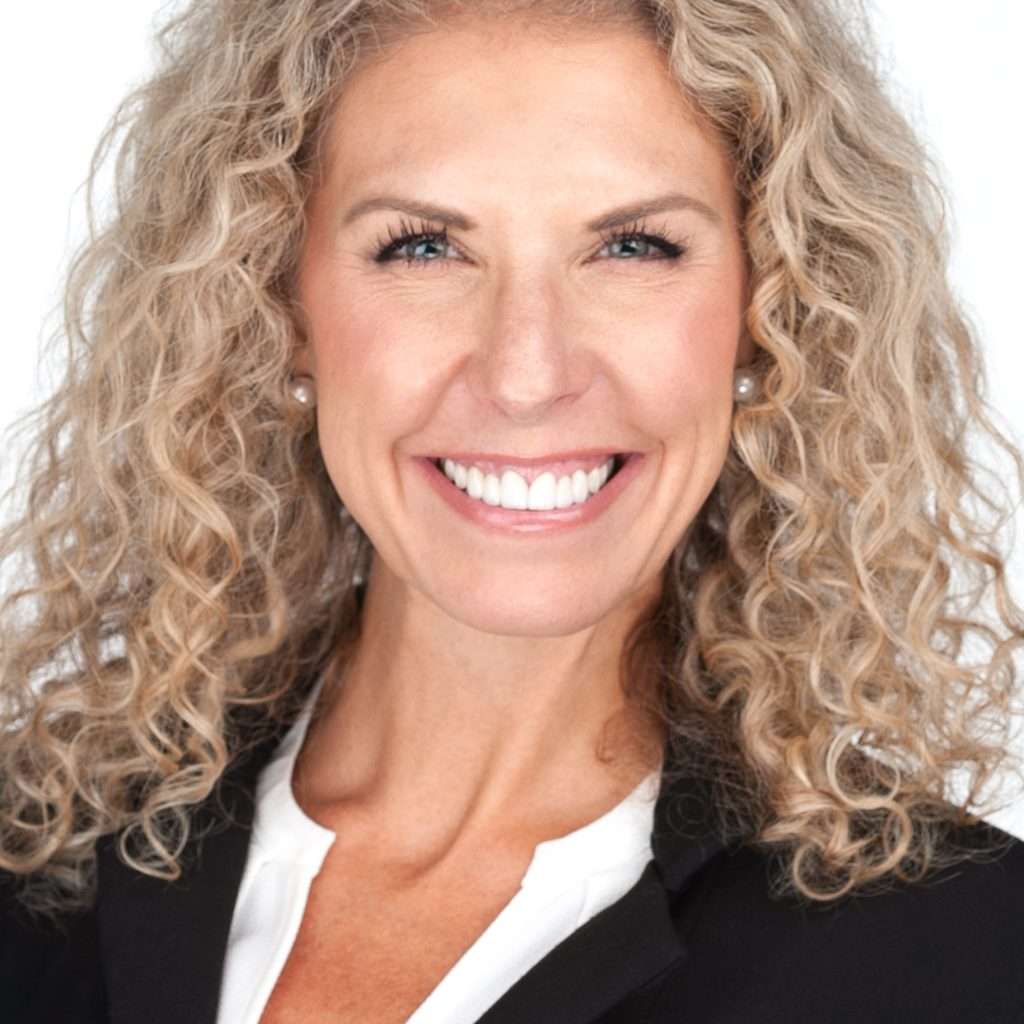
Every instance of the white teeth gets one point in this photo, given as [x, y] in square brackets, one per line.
[513, 492]
[542, 492]
[563, 495]
[580, 491]
[492, 489]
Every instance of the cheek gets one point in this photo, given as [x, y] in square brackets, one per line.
[369, 365]
[376, 379]
[688, 404]
[682, 367]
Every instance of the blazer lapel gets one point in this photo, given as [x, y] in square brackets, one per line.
[616, 952]
[163, 944]
[632, 941]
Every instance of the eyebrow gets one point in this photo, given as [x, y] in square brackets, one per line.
[612, 219]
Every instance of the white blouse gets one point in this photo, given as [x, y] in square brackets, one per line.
[567, 882]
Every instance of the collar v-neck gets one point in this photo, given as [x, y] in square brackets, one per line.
[163, 944]
[283, 831]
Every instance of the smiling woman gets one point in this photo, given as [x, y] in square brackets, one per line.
[493, 336]
[491, 557]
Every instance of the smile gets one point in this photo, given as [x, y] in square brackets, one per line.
[538, 499]
[539, 489]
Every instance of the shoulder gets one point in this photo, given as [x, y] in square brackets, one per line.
[24, 939]
[44, 962]
[945, 948]
[23, 951]
[986, 881]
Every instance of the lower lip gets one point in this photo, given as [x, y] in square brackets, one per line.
[507, 520]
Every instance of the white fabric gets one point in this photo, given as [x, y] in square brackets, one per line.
[568, 881]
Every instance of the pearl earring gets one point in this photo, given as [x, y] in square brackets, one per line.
[744, 386]
[303, 390]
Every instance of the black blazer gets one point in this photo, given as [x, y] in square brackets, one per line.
[697, 939]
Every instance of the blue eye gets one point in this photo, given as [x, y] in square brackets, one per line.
[387, 251]
[427, 239]
[670, 250]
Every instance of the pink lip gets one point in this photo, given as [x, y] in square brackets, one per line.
[529, 521]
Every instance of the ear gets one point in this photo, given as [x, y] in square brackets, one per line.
[746, 350]
[303, 363]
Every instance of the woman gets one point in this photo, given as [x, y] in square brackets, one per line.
[491, 557]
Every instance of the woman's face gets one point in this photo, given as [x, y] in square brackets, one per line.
[525, 340]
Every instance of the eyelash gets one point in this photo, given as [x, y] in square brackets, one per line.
[673, 249]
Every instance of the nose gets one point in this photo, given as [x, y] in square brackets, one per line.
[525, 360]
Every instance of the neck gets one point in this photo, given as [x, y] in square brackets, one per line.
[424, 750]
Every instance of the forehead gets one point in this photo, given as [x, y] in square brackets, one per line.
[602, 102]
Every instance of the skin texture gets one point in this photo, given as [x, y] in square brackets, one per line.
[489, 664]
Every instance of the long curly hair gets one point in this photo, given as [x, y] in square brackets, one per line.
[180, 553]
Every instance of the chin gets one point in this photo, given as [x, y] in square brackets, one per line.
[552, 611]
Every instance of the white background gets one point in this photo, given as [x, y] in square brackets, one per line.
[955, 68]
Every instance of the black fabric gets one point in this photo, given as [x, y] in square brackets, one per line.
[697, 939]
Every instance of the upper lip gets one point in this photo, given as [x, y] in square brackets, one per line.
[519, 460]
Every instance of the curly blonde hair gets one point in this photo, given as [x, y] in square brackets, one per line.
[181, 552]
